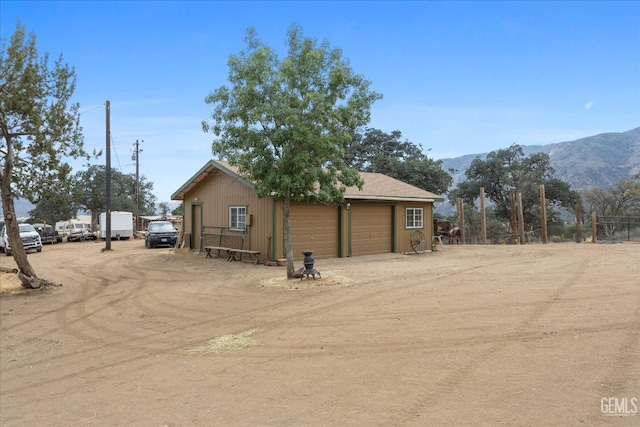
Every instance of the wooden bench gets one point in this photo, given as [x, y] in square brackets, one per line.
[232, 253]
[208, 249]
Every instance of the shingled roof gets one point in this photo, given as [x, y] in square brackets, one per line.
[376, 186]
[382, 187]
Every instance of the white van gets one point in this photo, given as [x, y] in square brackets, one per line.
[73, 230]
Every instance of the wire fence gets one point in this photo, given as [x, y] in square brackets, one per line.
[608, 229]
[618, 228]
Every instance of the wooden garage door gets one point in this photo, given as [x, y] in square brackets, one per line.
[371, 227]
[314, 227]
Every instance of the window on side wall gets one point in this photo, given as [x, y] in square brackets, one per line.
[414, 218]
[237, 218]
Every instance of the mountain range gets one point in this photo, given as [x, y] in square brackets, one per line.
[594, 161]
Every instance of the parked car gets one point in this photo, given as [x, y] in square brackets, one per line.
[47, 233]
[2, 236]
[91, 234]
[76, 231]
[160, 233]
[29, 236]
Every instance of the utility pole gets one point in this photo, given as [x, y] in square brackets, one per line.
[136, 157]
[108, 175]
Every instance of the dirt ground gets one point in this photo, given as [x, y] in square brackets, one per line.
[473, 335]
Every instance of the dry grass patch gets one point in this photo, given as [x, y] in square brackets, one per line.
[225, 343]
[327, 280]
[10, 284]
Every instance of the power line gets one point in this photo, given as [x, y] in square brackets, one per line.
[92, 109]
[113, 144]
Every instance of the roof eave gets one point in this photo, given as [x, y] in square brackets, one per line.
[203, 173]
[395, 198]
[191, 182]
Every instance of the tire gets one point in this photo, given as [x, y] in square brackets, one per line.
[147, 244]
[7, 253]
[39, 249]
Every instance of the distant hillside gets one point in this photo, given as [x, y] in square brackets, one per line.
[594, 161]
[22, 208]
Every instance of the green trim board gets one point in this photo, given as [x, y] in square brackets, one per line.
[195, 233]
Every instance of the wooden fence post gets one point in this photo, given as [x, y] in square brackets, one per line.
[462, 234]
[460, 208]
[543, 214]
[578, 229]
[521, 219]
[514, 221]
[483, 217]
[594, 230]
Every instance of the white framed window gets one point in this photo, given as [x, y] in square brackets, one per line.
[238, 217]
[414, 218]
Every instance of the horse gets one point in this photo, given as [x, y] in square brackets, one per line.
[454, 235]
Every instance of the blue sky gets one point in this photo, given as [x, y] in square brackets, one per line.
[457, 77]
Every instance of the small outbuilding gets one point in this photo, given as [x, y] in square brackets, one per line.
[378, 219]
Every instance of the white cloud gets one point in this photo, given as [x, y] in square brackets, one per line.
[589, 104]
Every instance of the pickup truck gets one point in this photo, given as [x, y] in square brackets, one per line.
[28, 235]
[47, 233]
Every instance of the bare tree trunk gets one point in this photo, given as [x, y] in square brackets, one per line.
[28, 276]
[94, 220]
[287, 237]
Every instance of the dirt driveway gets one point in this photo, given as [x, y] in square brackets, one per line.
[475, 335]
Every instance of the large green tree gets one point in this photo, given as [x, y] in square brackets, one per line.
[509, 170]
[39, 127]
[620, 199]
[54, 208]
[90, 189]
[178, 211]
[377, 151]
[164, 209]
[285, 122]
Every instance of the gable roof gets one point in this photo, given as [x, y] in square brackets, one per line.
[376, 186]
[213, 167]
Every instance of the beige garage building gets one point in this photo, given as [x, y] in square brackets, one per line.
[220, 206]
